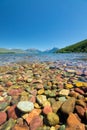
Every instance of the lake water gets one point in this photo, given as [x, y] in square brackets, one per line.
[41, 57]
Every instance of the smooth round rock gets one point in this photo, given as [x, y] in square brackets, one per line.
[8, 125]
[63, 99]
[62, 127]
[68, 105]
[52, 128]
[36, 123]
[25, 106]
[3, 117]
[3, 105]
[64, 92]
[53, 118]
[73, 123]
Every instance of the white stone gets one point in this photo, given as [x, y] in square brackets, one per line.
[25, 106]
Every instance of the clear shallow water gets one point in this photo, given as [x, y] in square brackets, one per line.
[41, 57]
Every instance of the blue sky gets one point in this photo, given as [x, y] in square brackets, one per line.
[42, 24]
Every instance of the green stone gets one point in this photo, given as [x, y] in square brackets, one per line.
[3, 105]
[8, 125]
[62, 127]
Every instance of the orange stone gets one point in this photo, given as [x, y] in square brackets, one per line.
[47, 109]
[22, 127]
[73, 123]
[35, 112]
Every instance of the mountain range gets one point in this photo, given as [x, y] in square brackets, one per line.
[30, 51]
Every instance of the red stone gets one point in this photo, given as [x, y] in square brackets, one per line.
[47, 109]
[15, 92]
[3, 117]
[36, 122]
[11, 112]
[79, 91]
[80, 110]
[33, 99]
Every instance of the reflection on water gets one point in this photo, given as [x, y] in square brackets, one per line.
[41, 57]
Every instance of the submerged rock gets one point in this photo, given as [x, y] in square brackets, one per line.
[31, 115]
[36, 123]
[52, 118]
[47, 109]
[8, 125]
[64, 92]
[20, 127]
[73, 123]
[3, 117]
[3, 105]
[25, 106]
[68, 106]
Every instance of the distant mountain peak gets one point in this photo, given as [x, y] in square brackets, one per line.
[51, 50]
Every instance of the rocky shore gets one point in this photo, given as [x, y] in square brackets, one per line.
[43, 96]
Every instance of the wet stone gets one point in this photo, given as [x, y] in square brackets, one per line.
[3, 105]
[25, 106]
[73, 123]
[31, 115]
[68, 106]
[56, 106]
[36, 123]
[20, 127]
[62, 127]
[80, 110]
[63, 99]
[47, 109]
[8, 125]
[12, 112]
[3, 117]
[52, 118]
[81, 103]
[64, 92]
[41, 99]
